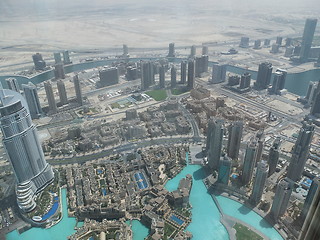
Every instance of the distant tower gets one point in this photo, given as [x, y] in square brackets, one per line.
[201, 65]
[307, 39]
[173, 77]
[278, 81]
[311, 92]
[39, 63]
[224, 170]
[193, 51]
[59, 71]
[31, 95]
[147, 75]
[245, 80]
[279, 41]
[20, 139]
[315, 101]
[311, 193]
[109, 76]
[274, 155]
[162, 82]
[300, 151]
[218, 73]
[214, 141]
[50, 96]
[62, 92]
[281, 198]
[205, 50]
[249, 162]
[13, 84]
[183, 72]
[78, 90]
[171, 53]
[125, 50]
[57, 57]
[234, 139]
[66, 57]
[310, 229]
[191, 74]
[264, 76]
[244, 42]
[257, 44]
[259, 182]
[260, 143]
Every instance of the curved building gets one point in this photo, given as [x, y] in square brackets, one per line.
[23, 147]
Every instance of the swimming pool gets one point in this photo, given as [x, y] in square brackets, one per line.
[176, 219]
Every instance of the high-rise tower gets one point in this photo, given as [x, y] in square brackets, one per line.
[218, 73]
[234, 139]
[264, 76]
[224, 170]
[310, 229]
[249, 161]
[162, 77]
[274, 156]
[173, 77]
[171, 53]
[311, 193]
[281, 198]
[62, 92]
[183, 72]
[214, 141]
[191, 74]
[259, 182]
[31, 95]
[50, 97]
[77, 88]
[24, 150]
[13, 84]
[300, 151]
[308, 33]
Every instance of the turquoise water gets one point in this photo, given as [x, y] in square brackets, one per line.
[139, 230]
[58, 232]
[237, 210]
[205, 223]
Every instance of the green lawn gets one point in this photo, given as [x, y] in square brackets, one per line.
[158, 95]
[244, 233]
[178, 91]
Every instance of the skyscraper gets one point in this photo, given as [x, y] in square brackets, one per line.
[77, 88]
[234, 139]
[245, 80]
[147, 75]
[260, 144]
[125, 50]
[281, 198]
[201, 65]
[205, 50]
[191, 74]
[310, 229]
[31, 95]
[264, 76]
[274, 156]
[171, 53]
[249, 162]
[300, 151]
[315, 101]
[244, 42]
[183, 72]
[66, 57]
[259, 182]
[57, 57]
[311, 193]
[214, 141]
[310, 96]
[108, 76]
[224, 170]
[173, 77]
[193, 51]
[39, 63]
[218, 73]
[13, 84]
[59, 71]
[62, 92]
[23, 148]
[307, 38]
[278, 81]
[162, 82]
[50, 97]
